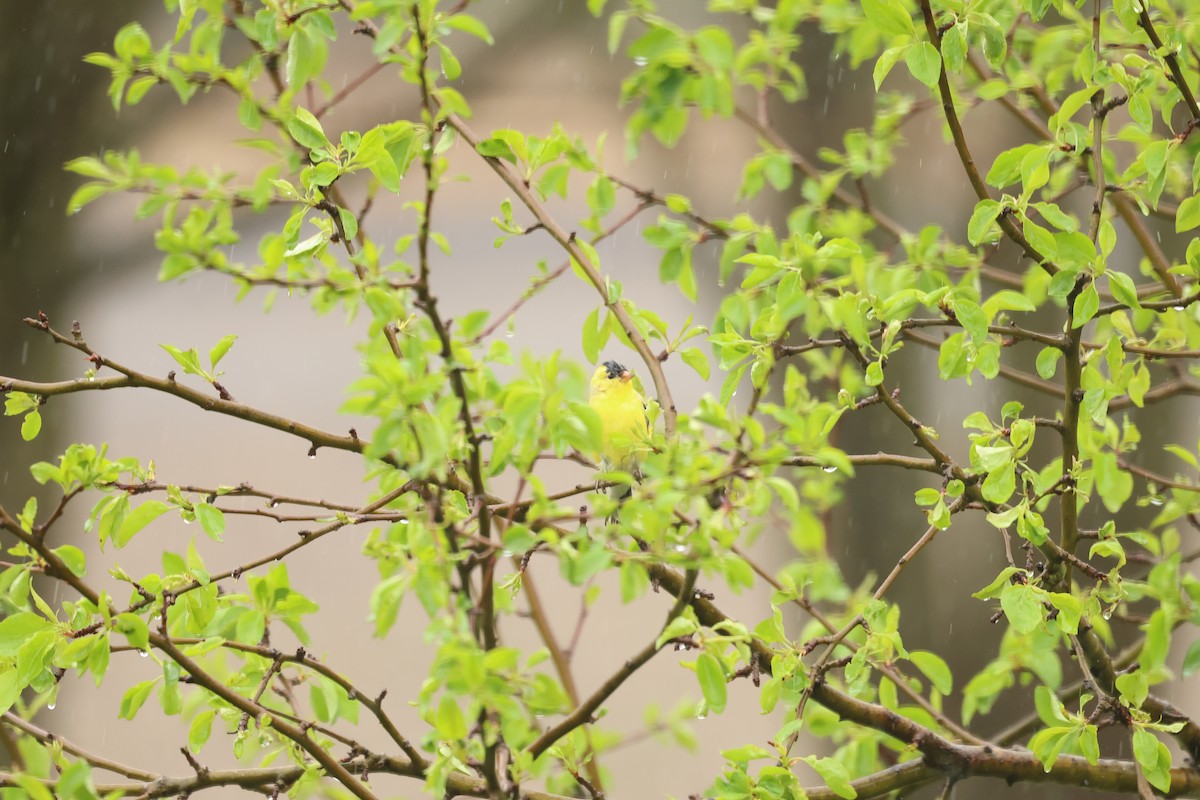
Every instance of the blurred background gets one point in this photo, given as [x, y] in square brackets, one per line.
[99, 268]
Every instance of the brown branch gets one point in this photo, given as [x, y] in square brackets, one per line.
[964, 152]
[1178, 78]
[684, 590]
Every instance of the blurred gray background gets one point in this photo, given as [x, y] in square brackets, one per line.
[549, 64]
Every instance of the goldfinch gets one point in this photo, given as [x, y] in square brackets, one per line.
[622, 411]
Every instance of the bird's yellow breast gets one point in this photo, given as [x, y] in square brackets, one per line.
[622, 415]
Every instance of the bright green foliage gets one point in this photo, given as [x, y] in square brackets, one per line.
[1056, 288]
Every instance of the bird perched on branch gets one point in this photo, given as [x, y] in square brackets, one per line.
[624, 423]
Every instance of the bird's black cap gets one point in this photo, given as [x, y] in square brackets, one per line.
[614, 369]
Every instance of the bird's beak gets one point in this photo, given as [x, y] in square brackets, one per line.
[625, 376]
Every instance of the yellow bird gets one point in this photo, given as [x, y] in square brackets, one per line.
[623, 420]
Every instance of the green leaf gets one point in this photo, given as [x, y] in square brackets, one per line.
[189, 359]
[1122, 288]
[712, 682]
[954, 47]
[1000, 484]
[972, 318]
[600, 196]
[200, 730]
[31, 426]
[449, 721]
[885, 62]
[306, 130]
[135, 698]
[19, 627]
[1070, 611]
[986, 212]
[1186, 218]
[695, 358]
[20, 402]
[1087, 303]
[306, 56]
[1191, 660]
[73, 558]
[888, 17]
[137, 519]
[134, 628]
[212, 519]
[10, 690]
[924, 63]
[1158, 641]
[994, 588]
[467, 24]
[835, 775]
[220, 349]
[86, 194]
[1022, 607]
[595, 336]
[934, 668]
[1154, 758]
[1113, 484]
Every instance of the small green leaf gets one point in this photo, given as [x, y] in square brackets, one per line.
[924, 63]
[835, 775]
[189, 359]
[695, 358]
[220, 349]
[1022, 607]
[135, 698]
[134, 628]
[449, 720]
[934, 668]
[1122, 288]
[982, 218]
[712, 682]
[888, 17]
[1186, 218]
[1087, 303]
[31, 426]
[212, 519]
[306, 130]
[137, 519]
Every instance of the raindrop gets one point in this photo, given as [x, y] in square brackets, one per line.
[510, 334]
[829, 469]
[312, 456]
[1178, 308]
[680, 646]
[680, 548]
[640, 61]
[50, 706]
[24, 352]
[144, 653]
[1156, 500]
[702, 716]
